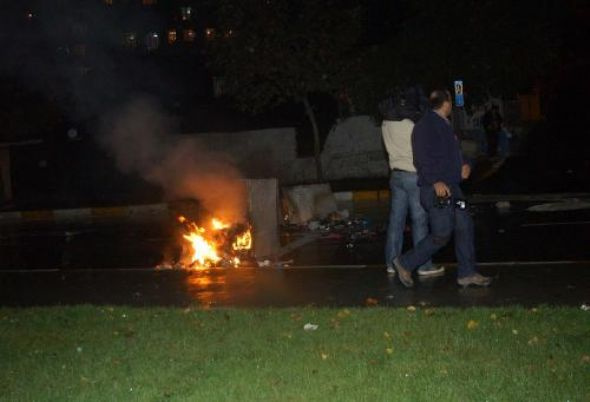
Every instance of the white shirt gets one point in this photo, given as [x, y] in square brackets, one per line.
[397, 136]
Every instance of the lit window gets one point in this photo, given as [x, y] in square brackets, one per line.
[189, 35]
[186, 13]
[209, 33]
[152, 41]
[130, 39]
[171, 36]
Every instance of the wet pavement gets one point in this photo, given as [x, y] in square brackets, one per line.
[528, 285]
[536, 258]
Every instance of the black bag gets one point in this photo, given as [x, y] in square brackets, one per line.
[409, 103]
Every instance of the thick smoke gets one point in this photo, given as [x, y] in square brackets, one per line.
[139, 138]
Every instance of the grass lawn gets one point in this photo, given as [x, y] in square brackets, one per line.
[371, 354]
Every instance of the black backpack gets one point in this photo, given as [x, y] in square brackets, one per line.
[409, 103]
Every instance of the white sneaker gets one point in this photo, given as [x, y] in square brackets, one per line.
[436, 270]
[390, 270]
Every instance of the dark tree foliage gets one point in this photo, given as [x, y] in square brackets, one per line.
[273, 51]
[498, 47]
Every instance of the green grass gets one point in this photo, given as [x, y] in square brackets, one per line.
[367, 354]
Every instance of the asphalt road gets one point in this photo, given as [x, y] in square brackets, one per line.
[535, 258]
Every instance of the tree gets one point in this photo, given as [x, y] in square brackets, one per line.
[273, 51]
[498, 47]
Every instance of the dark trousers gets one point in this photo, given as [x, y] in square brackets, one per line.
[443, 222]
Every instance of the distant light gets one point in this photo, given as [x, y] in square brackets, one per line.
[152, 41]
[30, 15]
[189, 35]
[172, 36]
[209, 33]
[186, 13]
[130, 39]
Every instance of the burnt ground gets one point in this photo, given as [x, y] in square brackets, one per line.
[535, 258]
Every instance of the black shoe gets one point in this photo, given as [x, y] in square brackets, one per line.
[404, 275]
[474, 280]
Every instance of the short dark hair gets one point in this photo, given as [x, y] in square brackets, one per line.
[438, 97]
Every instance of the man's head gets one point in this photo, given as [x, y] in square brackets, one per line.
[440, 100]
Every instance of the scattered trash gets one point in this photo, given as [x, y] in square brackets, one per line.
[310, 327]
[585, 307]
[313, 225]
[371, 302]
[336, 227]
[285, 264]
[265, 263]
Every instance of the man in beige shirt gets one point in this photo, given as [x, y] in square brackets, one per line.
[405, 195]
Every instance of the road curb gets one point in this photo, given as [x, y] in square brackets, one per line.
[164, 209]
[58, 215]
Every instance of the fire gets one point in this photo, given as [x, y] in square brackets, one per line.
[204, 252]
[216, 224]
[243, 241]
[223, 245]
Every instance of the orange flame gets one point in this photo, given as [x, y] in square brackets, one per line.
[216, 224]
[203, 251]
[207, 247]
[243, 241]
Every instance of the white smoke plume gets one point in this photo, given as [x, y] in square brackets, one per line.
[139, 136]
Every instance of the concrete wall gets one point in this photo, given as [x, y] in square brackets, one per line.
[353, 149]
[260, 153]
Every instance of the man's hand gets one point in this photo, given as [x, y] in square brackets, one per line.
[441, 189]
[465, 171]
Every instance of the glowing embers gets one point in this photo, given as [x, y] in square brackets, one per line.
[220, 244]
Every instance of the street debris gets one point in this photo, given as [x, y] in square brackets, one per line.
[310, 327]
[307, 202]
[585, 307]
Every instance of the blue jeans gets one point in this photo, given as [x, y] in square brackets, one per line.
[405, 194]
[443, 221]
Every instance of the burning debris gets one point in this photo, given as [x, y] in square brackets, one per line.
[218, 244]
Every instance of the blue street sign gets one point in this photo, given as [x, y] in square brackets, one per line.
[459, 100]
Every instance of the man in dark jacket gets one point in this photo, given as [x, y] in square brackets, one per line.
[440, 167]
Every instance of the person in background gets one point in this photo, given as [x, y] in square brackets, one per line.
[440, 168]
[396, 130]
